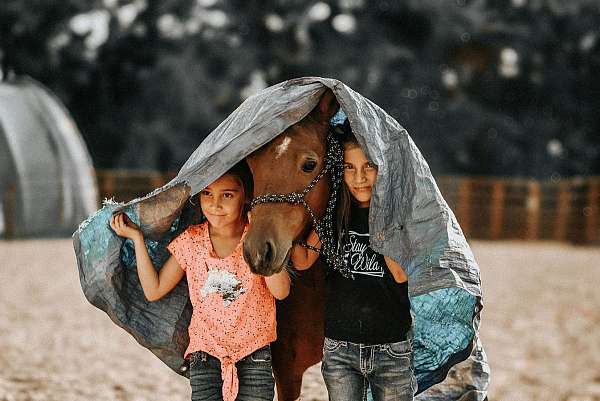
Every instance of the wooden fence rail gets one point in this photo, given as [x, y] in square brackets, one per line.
[486, 207]
[125, 185]
[510, 208]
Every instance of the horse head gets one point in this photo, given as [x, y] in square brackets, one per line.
[288, 164]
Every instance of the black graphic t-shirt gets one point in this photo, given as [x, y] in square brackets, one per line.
[372, 308]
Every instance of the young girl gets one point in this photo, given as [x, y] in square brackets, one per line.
[367, 317]
[233, 318]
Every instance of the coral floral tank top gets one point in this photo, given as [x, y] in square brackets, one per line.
[233, 310]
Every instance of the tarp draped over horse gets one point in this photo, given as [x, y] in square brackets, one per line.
[409, 221]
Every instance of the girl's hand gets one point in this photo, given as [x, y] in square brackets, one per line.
[397, 271]
[124, 227]
[279, 284]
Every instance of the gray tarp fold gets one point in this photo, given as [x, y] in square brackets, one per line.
[410, 221]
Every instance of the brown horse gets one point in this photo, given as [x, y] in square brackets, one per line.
[288, 164]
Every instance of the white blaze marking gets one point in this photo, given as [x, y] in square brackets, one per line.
[282, 148]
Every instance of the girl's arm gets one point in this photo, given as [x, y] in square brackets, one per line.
[155, 284]
[302, 257]
[396, 270]
[279, 284]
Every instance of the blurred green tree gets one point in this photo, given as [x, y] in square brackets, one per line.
[503, 87]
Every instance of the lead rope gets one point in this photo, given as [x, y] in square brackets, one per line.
[334, 165]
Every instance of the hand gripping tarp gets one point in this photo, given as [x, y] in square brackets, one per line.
[410, 222]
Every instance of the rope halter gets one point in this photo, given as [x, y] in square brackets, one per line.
[334, 165]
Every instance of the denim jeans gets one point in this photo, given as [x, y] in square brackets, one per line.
[349, 370]
[254, 372]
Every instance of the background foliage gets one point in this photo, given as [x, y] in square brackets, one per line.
[501, 87]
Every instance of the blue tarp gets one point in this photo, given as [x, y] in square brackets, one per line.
[410, 222]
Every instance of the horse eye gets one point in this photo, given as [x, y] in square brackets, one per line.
[309, 166]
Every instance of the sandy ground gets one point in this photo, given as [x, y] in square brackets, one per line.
[541, 329]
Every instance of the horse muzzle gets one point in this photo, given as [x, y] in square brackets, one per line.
[265, 256]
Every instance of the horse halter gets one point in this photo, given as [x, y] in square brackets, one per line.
[334, 164]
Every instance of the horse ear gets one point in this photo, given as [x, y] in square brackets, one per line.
[326, 108]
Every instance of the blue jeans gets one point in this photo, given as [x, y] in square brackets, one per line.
[349, 370]
[255, 375]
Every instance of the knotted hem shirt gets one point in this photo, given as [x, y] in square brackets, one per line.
[233, 310]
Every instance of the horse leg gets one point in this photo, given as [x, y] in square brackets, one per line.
[300, 334]
[290, 361]
[289, 384]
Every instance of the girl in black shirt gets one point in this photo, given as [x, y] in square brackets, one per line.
[368, 339]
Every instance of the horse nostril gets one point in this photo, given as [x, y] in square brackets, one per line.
[268, 256]
[260, 257]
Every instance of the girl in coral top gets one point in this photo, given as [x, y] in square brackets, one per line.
[233, 318]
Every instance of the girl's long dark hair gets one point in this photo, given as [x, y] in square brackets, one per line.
[348, 141]
[243, 173]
